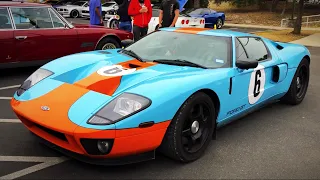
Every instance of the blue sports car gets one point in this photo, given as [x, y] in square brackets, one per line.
[211, 17]
[168, 91]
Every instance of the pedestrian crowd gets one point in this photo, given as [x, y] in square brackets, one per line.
[135, 15]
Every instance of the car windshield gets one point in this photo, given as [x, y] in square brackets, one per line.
[204, 50]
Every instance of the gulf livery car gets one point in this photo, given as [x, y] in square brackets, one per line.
[160, 93]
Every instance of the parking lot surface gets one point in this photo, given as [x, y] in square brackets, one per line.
[278, 141]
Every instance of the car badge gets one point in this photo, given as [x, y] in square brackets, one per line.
[45, 108]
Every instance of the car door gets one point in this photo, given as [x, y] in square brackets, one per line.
[7, 49]
[41, 35]
[252, 86]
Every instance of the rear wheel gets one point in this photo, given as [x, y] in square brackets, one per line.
[114, 24]
[191, 130]
[108, 43]
[299, 84]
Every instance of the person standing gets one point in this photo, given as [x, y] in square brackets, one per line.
[169, 13]
[95, 10]
[125, 20]
[141, 11]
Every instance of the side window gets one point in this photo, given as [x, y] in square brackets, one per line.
[57, 23]
[255, 48]
[31, 18]
[205, 11]
[5, 22]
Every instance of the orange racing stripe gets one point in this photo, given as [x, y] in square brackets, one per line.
[191, 30]
[109, 84]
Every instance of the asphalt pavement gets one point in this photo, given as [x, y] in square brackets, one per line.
[278, 141]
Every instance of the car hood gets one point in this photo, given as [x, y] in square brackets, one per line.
[93, 70]
[83, 83]
[68, 6]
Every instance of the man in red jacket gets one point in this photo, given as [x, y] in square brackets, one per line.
[141, 11]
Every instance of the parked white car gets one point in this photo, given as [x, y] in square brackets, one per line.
[72, 10]
[183, 21]
[112, 5]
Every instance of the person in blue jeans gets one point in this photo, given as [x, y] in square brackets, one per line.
[125, 20]
[95, 10]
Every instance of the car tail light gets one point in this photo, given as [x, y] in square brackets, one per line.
[182, 22]
[187, 21]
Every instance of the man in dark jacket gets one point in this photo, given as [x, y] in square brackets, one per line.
[141, 11]
[125, 20]
[169, 13]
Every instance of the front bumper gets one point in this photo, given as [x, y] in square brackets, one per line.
[136, 158]
[55, 127]
[127, 146]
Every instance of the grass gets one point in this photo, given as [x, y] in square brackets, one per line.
[253, 15]
[285, 35]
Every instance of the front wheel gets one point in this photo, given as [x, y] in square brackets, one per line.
[191, 130]
[108, 43]
[74, 14]
[299, 84]
[219, 23]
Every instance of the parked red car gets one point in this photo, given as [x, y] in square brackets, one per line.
[33, 34]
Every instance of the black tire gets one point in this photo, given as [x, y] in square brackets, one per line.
[74, 14]
[219, 23]
[103, 15]
[295, 95]
[114, 24]
[107, 40]
[172, 144]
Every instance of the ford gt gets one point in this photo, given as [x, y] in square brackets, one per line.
[162, 93]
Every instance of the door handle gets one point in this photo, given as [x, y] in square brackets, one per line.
[21, 37]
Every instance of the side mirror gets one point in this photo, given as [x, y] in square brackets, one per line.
[246, 64]
[126, 42]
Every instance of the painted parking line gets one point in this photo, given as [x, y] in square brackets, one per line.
[5, 98]
[10, 121]
[45, 163]
[9, 87]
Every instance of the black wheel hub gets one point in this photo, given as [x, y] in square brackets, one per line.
[301, 82]
[195, 129]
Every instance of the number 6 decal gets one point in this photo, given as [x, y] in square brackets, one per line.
[257, 83]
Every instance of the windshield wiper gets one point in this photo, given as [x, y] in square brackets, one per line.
[179, 62]
[132, 54]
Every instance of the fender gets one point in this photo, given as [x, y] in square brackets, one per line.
[107, 35]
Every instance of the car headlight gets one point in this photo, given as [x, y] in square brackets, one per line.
[121, 107]
[33, 79]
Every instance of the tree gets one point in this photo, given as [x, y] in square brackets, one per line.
[298, 23]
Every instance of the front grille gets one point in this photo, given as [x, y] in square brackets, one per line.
[85, 11]
[52, 132]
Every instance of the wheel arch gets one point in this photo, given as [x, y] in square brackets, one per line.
[108, 36]
[308, 58]
[213, 96]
